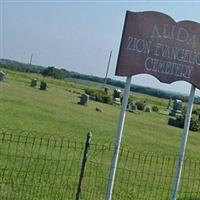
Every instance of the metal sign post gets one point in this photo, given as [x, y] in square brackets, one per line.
[154, 43]
[183, 143]
[118, 139]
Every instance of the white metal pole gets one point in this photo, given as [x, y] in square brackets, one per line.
[31, 59]
[118, 139]
[183, 144]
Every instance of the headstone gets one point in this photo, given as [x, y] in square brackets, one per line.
[117, 101]
[132, 107]
[174, 122]
[2, 76]
[84, 100]
[33, 82]
[117, 96]
[117, 93]
[43, 85]
[148, 109]
[177, 108]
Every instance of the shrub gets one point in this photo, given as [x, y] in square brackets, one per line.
[130, 99]
[93, 92]
[155, 109]
[194, 123]
[140, 105]
[55, 73]
[99, 95]
[196, 112]
[181, 120]
[107, 99]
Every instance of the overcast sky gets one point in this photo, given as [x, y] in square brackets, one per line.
[79, 35]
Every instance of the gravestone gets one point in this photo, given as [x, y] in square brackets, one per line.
[84, 100]
[132, 107]
[117, 93]
[148, 109]
[43, 85]
[117, 96]
[174, 122]
[33, 82]
[2, 76]
[177, 107]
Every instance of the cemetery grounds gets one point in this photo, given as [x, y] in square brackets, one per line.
[43, 134]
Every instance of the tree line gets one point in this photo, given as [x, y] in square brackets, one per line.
[60, 73]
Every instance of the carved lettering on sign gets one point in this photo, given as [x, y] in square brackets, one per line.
[155, 44]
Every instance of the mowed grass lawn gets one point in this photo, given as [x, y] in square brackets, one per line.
[32, 168]
[56, 112]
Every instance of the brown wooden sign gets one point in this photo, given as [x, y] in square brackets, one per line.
[153, 43]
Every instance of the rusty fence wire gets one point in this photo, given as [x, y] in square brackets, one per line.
[48, 168]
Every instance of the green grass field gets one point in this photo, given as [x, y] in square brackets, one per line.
[55, 112]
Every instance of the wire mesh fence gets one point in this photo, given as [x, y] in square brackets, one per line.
[48, 168]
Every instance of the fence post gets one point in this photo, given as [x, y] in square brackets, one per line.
[83, 167]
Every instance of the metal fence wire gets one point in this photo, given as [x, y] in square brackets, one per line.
[49, 168]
